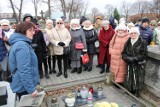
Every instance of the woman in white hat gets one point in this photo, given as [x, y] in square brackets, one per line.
[135, 54]
[118, 66]
[77, 35]
[49, 30]
[61, 39]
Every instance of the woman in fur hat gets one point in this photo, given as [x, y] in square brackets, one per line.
[77, 35]
[60, 39]
[135, 54]
[91, 38]
[105, 36]
[118, 66]
[49, 30]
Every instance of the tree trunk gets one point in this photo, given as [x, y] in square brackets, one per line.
[49, 8]
[20, 10]
[14, 12]
[35, 7]
[63, 6]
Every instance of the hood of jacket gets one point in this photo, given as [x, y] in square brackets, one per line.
[15, 37]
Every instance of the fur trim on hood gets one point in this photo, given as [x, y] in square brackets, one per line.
[75, 21]
[90, 27]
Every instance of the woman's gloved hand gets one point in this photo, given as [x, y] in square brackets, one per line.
[61, 44]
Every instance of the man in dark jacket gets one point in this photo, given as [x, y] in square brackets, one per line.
[145, 32]
[38, 43]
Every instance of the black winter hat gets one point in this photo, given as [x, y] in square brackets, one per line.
[83, 18]
[145, 20]
[63, 17]
[33, 20]
[27, 15]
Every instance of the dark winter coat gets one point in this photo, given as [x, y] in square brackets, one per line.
[40, 50]
[77, 35]
[135, 56]
[146, 34]
[3, 50]
[91, 38]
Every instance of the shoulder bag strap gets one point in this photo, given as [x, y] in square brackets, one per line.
[58, 35]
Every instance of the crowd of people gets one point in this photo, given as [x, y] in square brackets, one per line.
[121, 49]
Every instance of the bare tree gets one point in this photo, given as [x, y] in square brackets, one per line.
[48, 2]
[95, 11]
[63, 6]
[19, 8]
[74, 8]
[126, 9]
[155, 7]
[35, 3]
[14, 11]
[79, 9]
[0, 8]
[141, 7]
[109, 10]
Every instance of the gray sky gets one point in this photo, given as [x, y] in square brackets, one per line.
[28, 8]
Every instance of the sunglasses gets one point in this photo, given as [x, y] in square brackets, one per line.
[59, 23]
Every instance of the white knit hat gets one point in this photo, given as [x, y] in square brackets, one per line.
[4, 22]
[131, 24]
[122, 21]
[75, 21]
[134, 30]
[121, 27]
[59, 20]
[49, 21]
[105, 23]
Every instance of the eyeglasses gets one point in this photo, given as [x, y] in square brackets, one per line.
[59, 23]
[152, 25]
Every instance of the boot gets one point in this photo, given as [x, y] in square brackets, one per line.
[107, 70]
[89, 69]
[102, 69]
[46, 74]
[85, 68]
[52, 71]
[41, 74]
[69, 67]
[79, 70]
[74, 70]
[65, 75]
[98, 66]
[59, 73]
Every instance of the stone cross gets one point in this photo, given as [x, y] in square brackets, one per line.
[42, 13]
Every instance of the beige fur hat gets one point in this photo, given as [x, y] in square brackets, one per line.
[4, 22]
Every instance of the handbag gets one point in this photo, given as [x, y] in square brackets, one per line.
[6, 74]
[66, 50]
[85, 58]
[79, 45]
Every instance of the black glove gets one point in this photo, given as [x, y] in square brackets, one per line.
[61, 44]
